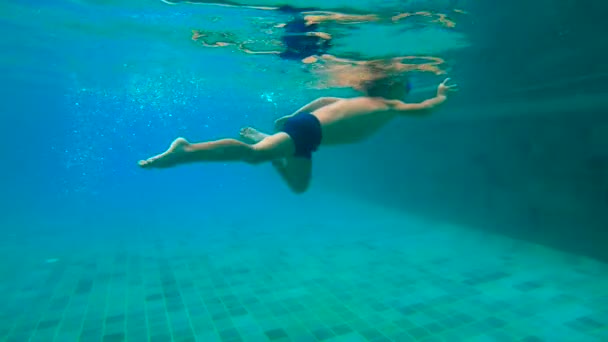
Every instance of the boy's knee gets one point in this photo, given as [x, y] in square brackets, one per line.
[298, 186]
[255, 156]
[298, 190]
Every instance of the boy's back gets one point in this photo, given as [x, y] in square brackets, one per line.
[350, 120]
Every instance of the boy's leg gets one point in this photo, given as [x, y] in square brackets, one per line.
[296, 172]
[182, 152]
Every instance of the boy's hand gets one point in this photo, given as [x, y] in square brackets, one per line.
[443, 89]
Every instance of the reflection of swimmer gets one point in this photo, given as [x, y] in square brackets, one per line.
[341, 72]
[302, 38]
[300, 41]
[316, 16]
[325, 121]
[321, 17]
[391, 65]
[213, 39]
[439, 18]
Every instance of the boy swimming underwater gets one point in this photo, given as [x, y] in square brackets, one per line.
[324, 121]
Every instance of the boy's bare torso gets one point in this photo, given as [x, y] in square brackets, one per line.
[351, 120]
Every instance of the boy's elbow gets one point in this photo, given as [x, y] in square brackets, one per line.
[422, 108]
[425, 108]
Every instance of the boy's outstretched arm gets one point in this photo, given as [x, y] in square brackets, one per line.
[426, 106]
[311, 107]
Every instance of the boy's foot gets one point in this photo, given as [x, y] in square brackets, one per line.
[252, 135]
[169, 158]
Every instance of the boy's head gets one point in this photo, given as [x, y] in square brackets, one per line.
[392, 87]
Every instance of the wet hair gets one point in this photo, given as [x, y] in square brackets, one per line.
[383, 86]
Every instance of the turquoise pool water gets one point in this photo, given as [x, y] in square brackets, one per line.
[394, 241]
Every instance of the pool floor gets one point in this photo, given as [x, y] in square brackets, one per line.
[385, 278]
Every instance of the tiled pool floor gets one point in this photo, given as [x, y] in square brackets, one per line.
[389, 279]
